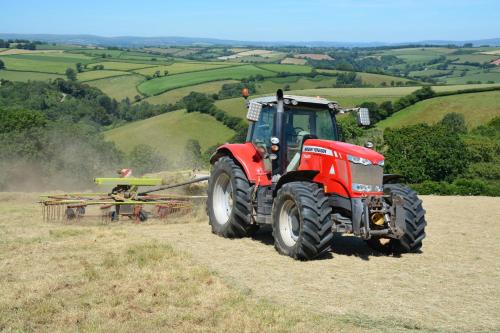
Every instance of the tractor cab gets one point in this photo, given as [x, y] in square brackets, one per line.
[279, 126]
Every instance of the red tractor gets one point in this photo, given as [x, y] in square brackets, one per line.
[293, 173]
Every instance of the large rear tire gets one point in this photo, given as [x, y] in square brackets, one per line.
[229, 204]
[415, 223]
[302, 225]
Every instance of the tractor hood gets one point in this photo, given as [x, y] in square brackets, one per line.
[340, 149]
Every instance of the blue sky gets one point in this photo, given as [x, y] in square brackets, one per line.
[293, 20]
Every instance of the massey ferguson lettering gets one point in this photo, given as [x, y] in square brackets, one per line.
[317, 150]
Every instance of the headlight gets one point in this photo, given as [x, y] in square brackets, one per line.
[358, 160]
[381, 163]
[366, 188]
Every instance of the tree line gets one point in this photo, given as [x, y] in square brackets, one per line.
[51, 135]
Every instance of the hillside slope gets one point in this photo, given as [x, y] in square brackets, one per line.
[347, 97]
[169, 133]
[477, 108]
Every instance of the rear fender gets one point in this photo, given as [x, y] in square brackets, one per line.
[248, 158]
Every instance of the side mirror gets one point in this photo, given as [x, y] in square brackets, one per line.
[363, 117]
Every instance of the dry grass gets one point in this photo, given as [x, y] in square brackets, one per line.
[180, 277]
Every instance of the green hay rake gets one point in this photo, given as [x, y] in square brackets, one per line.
[125, 201]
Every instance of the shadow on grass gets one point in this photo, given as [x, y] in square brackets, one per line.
[342, 245]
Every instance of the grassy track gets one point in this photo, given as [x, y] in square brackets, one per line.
[119, 87]
[100, 74]
[172, 96]
[180, 67]
[170, 132]
[27, 76]
[477, 108]
[159, 85]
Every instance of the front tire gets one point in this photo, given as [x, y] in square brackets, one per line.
[415, 223]
[302, 225]
[229, 204]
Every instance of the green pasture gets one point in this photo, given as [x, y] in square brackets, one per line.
[477, 109]
[346, 97]
[169, 82]
[279, 68]
[46, 62]
[119, 66]
[169, 133]
[172, 96]
[181, 67]
[27, 76]
[119, 87]
[98, 74]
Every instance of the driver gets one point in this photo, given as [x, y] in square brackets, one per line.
[294, 163]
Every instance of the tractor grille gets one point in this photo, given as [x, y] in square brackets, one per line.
[366, 174]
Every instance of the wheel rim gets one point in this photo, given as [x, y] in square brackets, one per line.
[289, 223]
[222, 201]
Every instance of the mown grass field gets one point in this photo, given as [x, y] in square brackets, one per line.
[169, 82]
[172, 96]
[294, 61]
[178, 276]
[169, 133]
[477, 109]
[119, 87]
[97, 278]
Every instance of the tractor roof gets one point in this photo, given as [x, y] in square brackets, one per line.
[311, 101]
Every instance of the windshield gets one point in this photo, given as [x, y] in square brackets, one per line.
[304, 121]
[298, 122]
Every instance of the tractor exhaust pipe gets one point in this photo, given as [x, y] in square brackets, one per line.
[279, 163]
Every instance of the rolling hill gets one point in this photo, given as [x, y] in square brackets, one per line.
[169, 133]
[347, 97]
[477, 108]
[169, 82]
